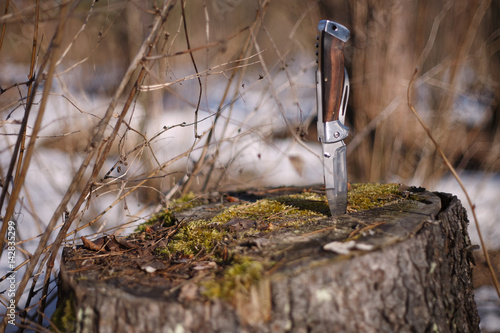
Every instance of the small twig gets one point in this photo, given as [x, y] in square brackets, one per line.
[22, 171]
[291, 83]
[274, 95]
[14, 85]
[4, 24]
[456, 74]
[433, 33]
[96, 141]
[457, 177]
[82, 28]
[197, 76]
[198, 48]
[187, 181]
[131, 190]
[18, 153]
[195, 69]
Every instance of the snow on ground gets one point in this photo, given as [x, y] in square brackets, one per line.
[488, 306]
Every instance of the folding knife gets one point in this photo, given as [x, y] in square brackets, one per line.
[332, 93]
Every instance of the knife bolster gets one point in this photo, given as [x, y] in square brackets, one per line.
[334, 131]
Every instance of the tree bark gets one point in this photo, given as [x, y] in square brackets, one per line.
[405, 267]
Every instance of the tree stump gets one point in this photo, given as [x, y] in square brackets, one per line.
[223, 267]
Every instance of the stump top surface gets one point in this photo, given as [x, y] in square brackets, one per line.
[292, 235]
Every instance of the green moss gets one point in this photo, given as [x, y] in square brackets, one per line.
[263, 210]
[237, 278]
[64, 317]
[370, 195]
[195, 236]
[165, 218]
[307, 201]
[185, 202]
[163, 252]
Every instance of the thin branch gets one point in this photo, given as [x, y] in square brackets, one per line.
[5, 23]
[195, 69]
[433, 33]
[82, 28]
[457, 72]
[199, 48]
[17, 148]
[257, 23]
[187, 181]
[198, 75]
[19, 181]
[457, 177]
[95, 142]
[274, 94]
[145, 49]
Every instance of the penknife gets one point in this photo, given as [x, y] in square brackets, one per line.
[332, 93]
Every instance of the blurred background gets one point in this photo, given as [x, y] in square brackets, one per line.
[225, 99]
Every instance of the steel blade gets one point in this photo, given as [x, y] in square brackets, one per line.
[335, 173]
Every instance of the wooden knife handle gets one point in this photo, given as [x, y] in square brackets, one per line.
[332, 75]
